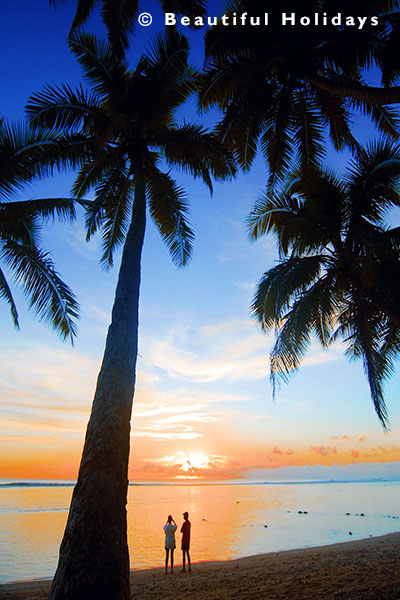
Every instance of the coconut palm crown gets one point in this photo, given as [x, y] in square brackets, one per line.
[128, 118]
[338, 277]
[119, 16]
[271, 82]
[25, 155]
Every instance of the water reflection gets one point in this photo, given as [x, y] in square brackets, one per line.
[228, 521]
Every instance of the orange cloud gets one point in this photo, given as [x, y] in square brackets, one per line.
[323, 450]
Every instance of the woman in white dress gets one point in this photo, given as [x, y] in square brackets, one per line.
[169, 530]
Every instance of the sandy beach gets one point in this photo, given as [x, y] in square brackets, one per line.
[356, 570]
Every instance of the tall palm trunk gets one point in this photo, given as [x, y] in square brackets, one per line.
[94, 557]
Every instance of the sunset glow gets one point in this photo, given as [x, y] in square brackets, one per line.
[184, 428]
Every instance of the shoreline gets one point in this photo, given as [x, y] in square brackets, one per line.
[353, 570]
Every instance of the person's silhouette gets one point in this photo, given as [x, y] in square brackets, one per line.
[185, 531]
[169, 529]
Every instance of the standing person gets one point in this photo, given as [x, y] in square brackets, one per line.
[169, 529]
[185, 531]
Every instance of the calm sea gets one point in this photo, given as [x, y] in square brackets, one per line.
[228, 520]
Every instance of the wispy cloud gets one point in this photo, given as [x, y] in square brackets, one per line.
[188, 434]
[165, 410]
[246, 286]
[47, 372]
[182, 419]
[186, 366]
[95, 313]
[224, 351]
[229, 351]
[75, 237]
[225, 327]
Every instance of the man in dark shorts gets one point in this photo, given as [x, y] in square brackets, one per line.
[185, 531]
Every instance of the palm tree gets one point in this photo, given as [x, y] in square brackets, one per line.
[25, 155]
[339, 270]
[119, 16]
[268, 81]
[129, 115]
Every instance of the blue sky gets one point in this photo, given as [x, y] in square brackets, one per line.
[203, 405]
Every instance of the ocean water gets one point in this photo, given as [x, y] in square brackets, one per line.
[228, 520]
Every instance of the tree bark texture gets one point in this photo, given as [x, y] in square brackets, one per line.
[94, 556]
[366, 93]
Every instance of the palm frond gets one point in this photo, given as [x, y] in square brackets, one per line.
[244, 121]
[69, 151]
[65, 109]
[93, 172]
[271, 211]
[94, 216]
[48, 295]
[219, 85]
[83, 10]
[385, 118]
[304, 217]
[308, 132]
[106, 75]
[167, 56]
[335, 112]
[5, 293]
[113, 205]
[374, 181]
[169, 210]
[119, 17]
[194, 150]
[363, 342]
[62, 208]
[312, 313]
[26, 153]
[20, 221]
[276, 141]
[281, 286]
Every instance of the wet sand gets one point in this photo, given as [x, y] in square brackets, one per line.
[356, 570]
